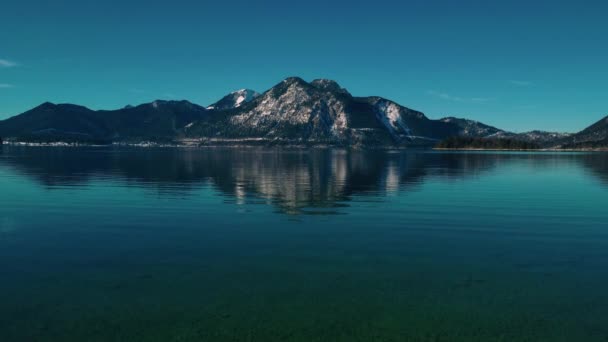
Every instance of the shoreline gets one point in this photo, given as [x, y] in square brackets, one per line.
[147, 144]
[603, 149]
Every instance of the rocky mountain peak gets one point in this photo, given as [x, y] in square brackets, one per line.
[294, 80]
[328, 85]
[294, 111]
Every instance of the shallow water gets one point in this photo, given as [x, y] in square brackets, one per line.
[125, 244]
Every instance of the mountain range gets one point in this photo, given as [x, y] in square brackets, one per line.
[293, 112]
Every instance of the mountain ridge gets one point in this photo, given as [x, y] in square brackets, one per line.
[594, 136]
[296, 112]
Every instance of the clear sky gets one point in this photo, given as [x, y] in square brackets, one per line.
[518, 65]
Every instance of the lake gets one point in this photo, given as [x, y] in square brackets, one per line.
[219, 244]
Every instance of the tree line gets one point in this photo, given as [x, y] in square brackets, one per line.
[487, 143]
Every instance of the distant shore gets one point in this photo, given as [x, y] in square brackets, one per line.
[604, 149]
[148, 144]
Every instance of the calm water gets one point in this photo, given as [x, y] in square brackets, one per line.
[119, 244]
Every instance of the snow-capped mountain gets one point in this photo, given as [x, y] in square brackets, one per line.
[323, 112]
[296, 106]
[235, 99]
[292, 112]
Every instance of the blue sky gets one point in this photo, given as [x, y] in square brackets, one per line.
[518, 65]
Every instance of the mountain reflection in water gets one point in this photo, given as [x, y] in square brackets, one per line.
[253, 244]
[318, 181]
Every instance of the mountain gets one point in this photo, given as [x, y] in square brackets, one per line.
[596, 132]
[594, 136]
[234, 99]
[470, 128]
[293, 112]
[542, 138]
[474, 129]
[51, 120]
[156, 120]
[322, 112]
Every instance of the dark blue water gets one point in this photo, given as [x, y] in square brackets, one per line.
[124, 244]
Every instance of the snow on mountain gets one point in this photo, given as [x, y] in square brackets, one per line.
[294, 103]
[294, 111]
[323, 112]
[235, 99]
[389, 113]
[471, 128]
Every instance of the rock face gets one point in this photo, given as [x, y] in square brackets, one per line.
[292, 110]
[296, 110]
[322, 112]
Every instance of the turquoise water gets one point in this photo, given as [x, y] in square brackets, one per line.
[125, 244]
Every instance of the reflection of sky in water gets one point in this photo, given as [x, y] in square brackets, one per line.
[7, 225]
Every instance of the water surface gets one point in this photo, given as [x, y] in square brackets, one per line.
[125, 244]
